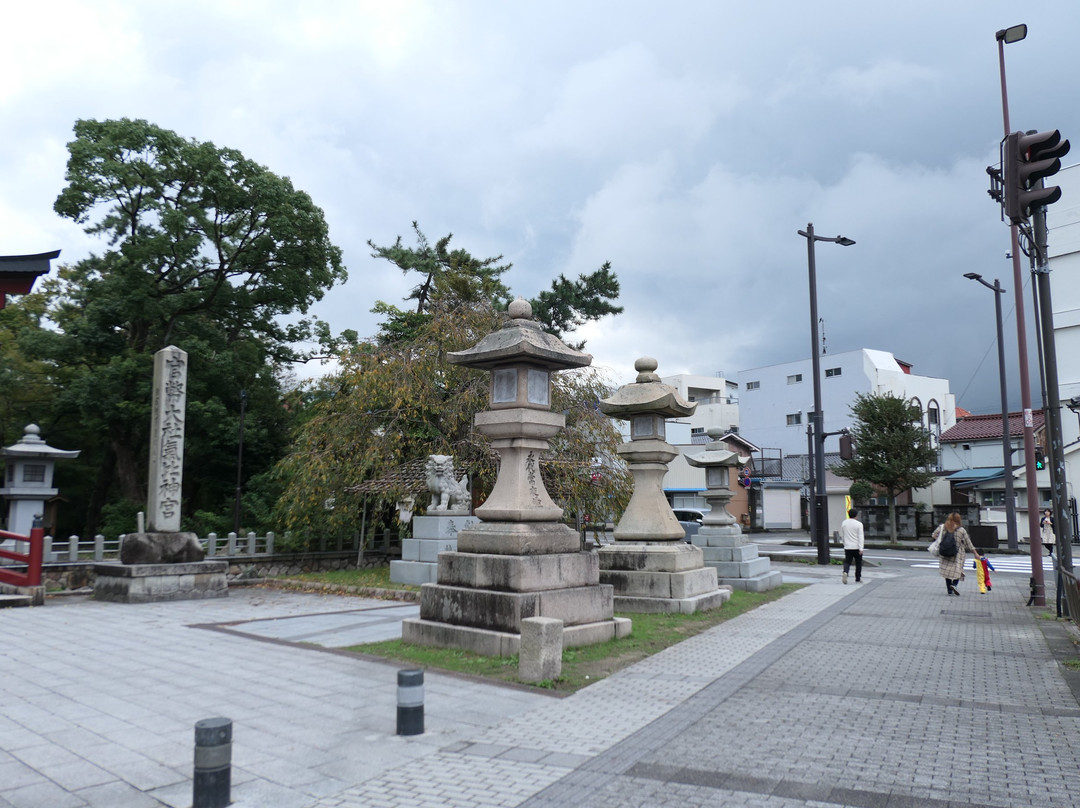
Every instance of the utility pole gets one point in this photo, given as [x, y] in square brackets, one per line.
[1059, 489]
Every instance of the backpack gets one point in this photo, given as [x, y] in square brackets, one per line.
[947, 548]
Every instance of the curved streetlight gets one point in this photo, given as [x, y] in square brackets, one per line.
[819, 512]
[1006, 440]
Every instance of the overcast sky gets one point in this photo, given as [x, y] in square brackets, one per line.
[686, 142]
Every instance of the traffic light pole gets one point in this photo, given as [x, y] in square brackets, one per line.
[1039, 586]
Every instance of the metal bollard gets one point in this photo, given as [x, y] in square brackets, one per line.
[410, 702]
[213, 763]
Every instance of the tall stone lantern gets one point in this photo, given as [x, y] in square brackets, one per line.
[725, 548]
[650, 565]
[520, 561]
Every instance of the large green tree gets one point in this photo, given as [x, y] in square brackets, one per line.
[455, 277]
[892, 449]
[204, 249]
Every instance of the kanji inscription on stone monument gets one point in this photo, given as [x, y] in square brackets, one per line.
[167, 440]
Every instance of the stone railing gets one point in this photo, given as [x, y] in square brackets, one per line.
[70, 563]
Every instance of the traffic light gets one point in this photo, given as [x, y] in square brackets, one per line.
[1040, 458]
[1027, 159]
[847, 447]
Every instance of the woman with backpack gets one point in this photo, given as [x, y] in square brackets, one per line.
[951, 545]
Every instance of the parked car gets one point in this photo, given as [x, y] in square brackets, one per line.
[690, 519]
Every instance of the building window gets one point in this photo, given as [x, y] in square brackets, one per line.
[830, 372]
[993, 498]
[794, 418]
[753, 385]
[33, 473]
[697, 430]
[795, 378]
[932, 417]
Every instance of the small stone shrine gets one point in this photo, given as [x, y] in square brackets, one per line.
[520, 561]
[163, 563]
[448, 512]
[650, 565]
[726, 549]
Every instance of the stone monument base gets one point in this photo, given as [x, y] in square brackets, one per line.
[162, 547]
[736, 560]
[653, 577]
[419, 555]
[483, 594]
[151, 583]
[504, 643]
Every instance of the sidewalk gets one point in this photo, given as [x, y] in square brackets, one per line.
[884, 694]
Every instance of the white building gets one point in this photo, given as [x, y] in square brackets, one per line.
[1063, 239]
[717, 401]
[776, 401]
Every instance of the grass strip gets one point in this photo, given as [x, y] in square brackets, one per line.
[587, 664]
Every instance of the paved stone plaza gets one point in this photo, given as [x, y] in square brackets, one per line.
[884, 694]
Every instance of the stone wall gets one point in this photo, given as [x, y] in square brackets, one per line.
[911, 523]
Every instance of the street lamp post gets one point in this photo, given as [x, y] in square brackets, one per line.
[1006, 440]
[820, 520]
[1007, 36]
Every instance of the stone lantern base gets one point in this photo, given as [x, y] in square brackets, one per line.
[736, 560]
[650, 577]
[505, 572]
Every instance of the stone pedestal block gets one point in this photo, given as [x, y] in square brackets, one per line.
[660, 577]
[413, 573]
[744, 552]
[420, 554]
[426, 549]
[736, 560]
[650, 556]
[513, 538]
[711, 537]
[540, 655]
[441, 527]
[741, 569]
[149, 583]
[503, 644]
[758, 583]
[504, 611]
[518, 573]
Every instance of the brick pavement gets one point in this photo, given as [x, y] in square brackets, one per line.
[884, 694]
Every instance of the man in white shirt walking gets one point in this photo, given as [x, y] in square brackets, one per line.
[851, 533]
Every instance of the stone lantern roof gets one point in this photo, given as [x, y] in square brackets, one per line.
[33, 445]
[521, 340]
[648, 395]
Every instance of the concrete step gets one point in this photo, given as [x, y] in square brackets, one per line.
[14, 600]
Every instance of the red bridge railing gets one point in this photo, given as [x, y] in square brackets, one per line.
[31, 576]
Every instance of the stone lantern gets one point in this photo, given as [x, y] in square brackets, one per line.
[650, 565]
[521, 359]
[520, 561]
[28, 478]
[725, 548]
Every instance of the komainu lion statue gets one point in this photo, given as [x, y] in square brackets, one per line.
[448, 495]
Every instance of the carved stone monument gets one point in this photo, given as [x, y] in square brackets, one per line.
[650, 565]
[447, 514]
[520, 561]
[726, 549]
[163, 563]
